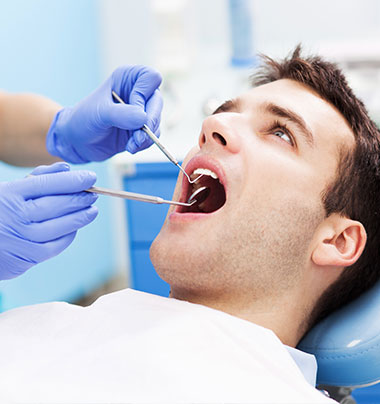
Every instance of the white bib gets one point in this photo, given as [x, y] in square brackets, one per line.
[133, 347]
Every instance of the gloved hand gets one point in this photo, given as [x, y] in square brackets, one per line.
[98, 126]
[40, 214]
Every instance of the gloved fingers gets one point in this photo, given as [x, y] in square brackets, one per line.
[123, 116]
[58, 227]
[131, 146]
[53, 168]
[65, 182]
[148, 142]
[27, 253]
[148, 80]
[32, 253]
[52, 248]
[153, 109]
[50, 207]
[55, 247]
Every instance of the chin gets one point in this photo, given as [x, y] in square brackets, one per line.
[167, 256]
[176, 263]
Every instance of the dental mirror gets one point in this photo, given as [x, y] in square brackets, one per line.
[199, 195]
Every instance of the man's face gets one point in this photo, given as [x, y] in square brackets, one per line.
[274, 150]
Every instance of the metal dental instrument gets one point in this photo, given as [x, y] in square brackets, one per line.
[160, 145]
[201, 194]
[137, 197]
[167, 154]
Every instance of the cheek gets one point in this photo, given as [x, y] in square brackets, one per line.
[275, 178]
[282, 200]
[275, 230]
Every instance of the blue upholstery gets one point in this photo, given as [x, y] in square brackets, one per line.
[347, 343]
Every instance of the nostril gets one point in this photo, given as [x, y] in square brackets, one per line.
[203, 138]
[219, 138]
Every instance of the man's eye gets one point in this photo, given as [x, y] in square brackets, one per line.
[283, 135]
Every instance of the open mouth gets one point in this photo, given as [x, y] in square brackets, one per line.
[216, 196]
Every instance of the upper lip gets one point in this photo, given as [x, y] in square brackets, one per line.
[202, 161]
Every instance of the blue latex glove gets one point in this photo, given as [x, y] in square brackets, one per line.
[98, 126]
[40, 214]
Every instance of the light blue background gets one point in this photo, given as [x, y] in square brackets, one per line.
[52, 48]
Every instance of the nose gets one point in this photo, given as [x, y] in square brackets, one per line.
[221, 131]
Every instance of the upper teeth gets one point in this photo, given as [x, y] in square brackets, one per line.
[205, 171]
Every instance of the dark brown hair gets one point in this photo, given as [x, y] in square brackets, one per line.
[354, 191]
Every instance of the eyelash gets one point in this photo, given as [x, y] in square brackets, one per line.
[277, 125]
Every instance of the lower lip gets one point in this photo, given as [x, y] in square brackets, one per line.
[187, 217]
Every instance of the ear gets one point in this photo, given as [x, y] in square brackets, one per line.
[340, 242]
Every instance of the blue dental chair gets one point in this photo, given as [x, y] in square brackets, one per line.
[347, 347]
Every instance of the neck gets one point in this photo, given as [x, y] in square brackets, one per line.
[280, 314]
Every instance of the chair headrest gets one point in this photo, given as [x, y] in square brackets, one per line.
[347, 343]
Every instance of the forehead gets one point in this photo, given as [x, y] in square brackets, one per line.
[326, 123]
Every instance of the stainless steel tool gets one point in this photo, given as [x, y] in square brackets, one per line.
[138, 197]
[160, 145]
[201, 194]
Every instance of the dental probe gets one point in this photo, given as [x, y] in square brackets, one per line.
[137, 197]
[160, 145]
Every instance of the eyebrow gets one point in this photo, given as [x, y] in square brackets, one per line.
[228, 106]
[274, 109]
